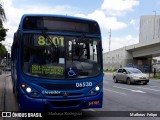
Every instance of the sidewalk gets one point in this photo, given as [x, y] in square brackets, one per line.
[2, 89]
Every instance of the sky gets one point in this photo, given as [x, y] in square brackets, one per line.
[121, 16]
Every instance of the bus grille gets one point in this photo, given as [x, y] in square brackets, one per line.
[65, 103]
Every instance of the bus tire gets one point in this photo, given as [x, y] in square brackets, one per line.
[13, 90]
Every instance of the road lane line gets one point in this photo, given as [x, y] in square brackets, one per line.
[154, 86]
[139, 91]
[91, 110]
[115, 91]
[149, 89]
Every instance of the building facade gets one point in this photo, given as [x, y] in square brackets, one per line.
[117, 58]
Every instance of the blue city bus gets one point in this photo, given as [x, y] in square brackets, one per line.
[56, 63]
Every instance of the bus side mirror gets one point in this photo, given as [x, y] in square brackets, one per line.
[16, 40]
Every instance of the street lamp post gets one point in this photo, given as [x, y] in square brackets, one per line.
[109, 40]
[154, 24]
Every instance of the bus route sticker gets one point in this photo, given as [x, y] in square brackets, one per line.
[47, 70]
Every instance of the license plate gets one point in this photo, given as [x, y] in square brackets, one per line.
[97, 102]
[142, 81]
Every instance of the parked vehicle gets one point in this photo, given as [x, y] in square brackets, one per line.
[130, 75]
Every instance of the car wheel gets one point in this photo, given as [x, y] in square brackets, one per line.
[145, 83]
[128, 81]
[115, 80]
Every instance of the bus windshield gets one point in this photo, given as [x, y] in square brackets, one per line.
[60, 57]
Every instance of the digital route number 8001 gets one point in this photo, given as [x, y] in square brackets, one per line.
[56, 40]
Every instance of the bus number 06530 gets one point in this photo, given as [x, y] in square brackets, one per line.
[83, 84]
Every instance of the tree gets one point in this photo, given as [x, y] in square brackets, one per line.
[3, 31]
[3, 50]
[2, 13]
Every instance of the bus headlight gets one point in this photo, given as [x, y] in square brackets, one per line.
[30, 91]
[95, 90]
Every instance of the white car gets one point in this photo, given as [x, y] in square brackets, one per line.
[130, 75]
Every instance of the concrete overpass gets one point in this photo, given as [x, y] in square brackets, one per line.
[138, 54]
[146, 49]
[141, 54]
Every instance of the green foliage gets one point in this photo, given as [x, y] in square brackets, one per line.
[110, 70]
[3, 50]
[158, 77]
[2, 13]
[2, 32]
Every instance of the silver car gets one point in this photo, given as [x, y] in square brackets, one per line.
[130, 75]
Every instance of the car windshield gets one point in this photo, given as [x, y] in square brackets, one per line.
[60, 57]
[134, 71]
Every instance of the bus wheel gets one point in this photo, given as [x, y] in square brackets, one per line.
[14, 91]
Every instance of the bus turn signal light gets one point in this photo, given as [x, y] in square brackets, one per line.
[23, 85]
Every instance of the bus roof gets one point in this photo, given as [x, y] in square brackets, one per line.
[58, 16]
[53, 22]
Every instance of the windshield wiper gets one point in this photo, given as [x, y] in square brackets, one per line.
[48, 38]
[81, 38]
[54, 48]
[81, 54]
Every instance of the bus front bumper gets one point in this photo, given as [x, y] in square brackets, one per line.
[38, 104]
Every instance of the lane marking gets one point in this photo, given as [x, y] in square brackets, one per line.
[115, 91]
[154, 86]
[91, 110]
[149, 89]
[139, 91]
